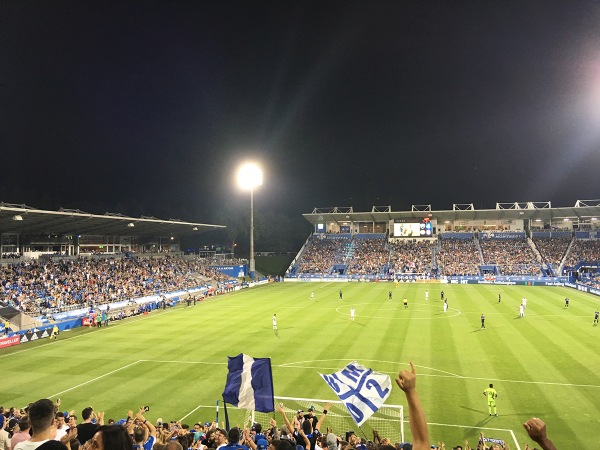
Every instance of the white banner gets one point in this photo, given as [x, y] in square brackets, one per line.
[360, 389]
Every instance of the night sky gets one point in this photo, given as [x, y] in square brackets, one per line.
[147, 107]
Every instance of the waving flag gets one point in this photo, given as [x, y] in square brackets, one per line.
[249, 383]
[360, 389]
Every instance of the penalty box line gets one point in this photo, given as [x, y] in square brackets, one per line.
[480, 428]
[97, 378]
[443, 375]
[127, 366]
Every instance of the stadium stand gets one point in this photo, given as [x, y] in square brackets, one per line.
[587, 250]
[366, 255]
[322, 252]
[411, 256]
[552, 251]
[459, 255]
[511, 256]
[41, 288]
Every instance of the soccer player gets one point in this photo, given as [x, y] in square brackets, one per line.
[275, 322]
[405, 302]
[54, 333]
[596, 317]
[567, 302]
[521, 310]
[426, 295]
[390, 295]
[341, 294]
[445, 305]
[312, 295]
[352, 314]
[482, 322]
[524, 302]
[491, 395]
[442, 295]
[499, 297]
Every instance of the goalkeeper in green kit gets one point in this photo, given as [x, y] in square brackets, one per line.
[491, 395]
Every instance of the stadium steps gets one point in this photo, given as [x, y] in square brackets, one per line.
[564, 258]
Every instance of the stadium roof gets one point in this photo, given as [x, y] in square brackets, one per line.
[583, 210]
[23, 219]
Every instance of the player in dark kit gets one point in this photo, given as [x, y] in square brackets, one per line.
[567, 302]
[483, 322]
[340, 294]
[390, 295]
[499, 297]
[442, 295]
[596, 317]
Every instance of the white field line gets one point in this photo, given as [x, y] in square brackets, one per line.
[95, 379]
[479, 428]
[448, 374]
[443, 374]
[193, 411]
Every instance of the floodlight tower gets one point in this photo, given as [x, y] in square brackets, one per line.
[249, 177]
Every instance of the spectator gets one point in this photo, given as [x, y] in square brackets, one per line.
[23, 433]
[41, 417]
[110, 437]
[144, 433]
[61, 426]
[87, 429]
[4, 437]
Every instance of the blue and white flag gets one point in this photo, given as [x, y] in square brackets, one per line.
[250, 383]
[360, 389]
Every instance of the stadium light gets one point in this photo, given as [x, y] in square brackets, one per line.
[249, 177]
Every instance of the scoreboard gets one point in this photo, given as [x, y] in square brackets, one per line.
[411, 228]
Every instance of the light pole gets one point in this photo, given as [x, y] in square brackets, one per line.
[250, 176]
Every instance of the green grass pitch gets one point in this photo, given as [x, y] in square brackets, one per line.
[545, 365]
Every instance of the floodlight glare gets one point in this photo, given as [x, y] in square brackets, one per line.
[249, 176]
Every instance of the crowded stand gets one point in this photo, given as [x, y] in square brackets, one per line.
[460, 257]
[45, 424]
[452, 254]
[322, 253]
[367, 256]
[411, 256]
[583, 250]
[36, 287]
[552, 250]
[511, 256]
